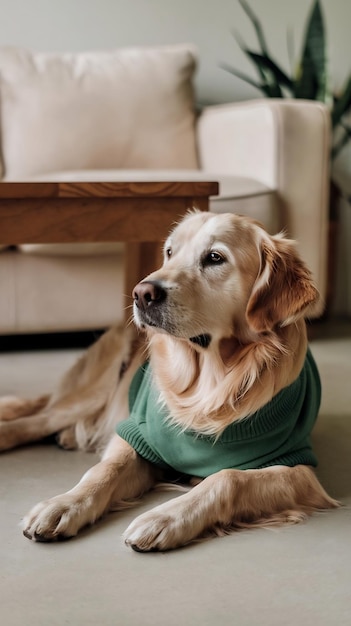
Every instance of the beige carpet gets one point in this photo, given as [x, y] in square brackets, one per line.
[298, 575]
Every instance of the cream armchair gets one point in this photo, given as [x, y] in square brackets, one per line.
[129, 115]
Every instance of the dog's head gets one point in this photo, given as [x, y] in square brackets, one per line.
[223, 276]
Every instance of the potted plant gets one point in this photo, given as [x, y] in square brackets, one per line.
[311, 79]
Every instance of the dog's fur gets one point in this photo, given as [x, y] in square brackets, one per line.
[227, 335]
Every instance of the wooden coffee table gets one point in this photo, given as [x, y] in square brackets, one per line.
[138, 213]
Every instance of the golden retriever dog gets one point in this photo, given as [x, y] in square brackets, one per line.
[217, 384]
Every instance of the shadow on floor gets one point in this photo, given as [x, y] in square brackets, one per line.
[331, 442]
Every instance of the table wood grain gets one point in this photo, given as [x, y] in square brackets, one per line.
[137, 213]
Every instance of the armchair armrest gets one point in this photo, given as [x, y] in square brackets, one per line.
[285, 145]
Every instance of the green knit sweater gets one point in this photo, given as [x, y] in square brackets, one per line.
[277, 434]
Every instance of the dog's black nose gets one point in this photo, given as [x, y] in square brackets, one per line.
[149, 293]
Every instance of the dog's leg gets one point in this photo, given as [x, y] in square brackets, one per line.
[230, 498]
[50, 420]
[121, 475]
[83, 393]
[82, 404]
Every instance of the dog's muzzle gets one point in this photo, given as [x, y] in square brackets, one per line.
[149, 299]
[149, 296]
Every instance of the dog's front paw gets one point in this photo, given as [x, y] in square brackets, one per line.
[162, 528]
[57, 518]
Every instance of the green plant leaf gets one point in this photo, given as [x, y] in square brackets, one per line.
[342, 142]
[243, 47]
[269, 83]
[266, 63]
[312, 78]
[342, 104]
[306, 84]
[242, 76]
[256, 24]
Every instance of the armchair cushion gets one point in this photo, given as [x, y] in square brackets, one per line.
[129, 108]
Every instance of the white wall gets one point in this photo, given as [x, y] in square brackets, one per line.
[70, 25]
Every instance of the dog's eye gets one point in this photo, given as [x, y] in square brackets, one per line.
[168, 253]
[214, 258]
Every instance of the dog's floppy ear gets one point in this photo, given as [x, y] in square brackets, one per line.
[284, 288]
